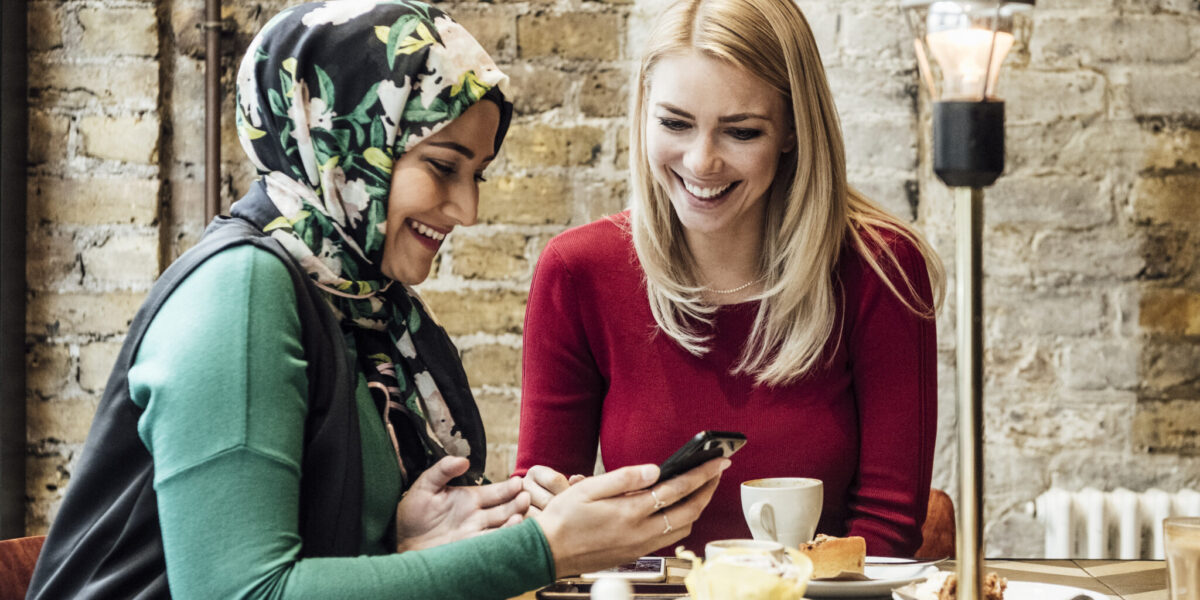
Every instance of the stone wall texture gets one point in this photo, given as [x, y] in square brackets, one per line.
[1092, 244]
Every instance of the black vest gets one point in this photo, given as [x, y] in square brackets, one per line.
[106, 542]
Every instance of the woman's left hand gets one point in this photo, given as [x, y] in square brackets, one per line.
[433, 513]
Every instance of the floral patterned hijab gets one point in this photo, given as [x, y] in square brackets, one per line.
[329, 95]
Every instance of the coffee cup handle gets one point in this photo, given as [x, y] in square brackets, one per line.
[762, 518]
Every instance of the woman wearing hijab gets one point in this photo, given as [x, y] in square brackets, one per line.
[285, 419]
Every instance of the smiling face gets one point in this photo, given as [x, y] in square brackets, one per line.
[714, 136]
[435, 188]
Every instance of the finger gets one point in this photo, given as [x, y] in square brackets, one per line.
[537, 494]
[552, 481]
[493, 494]
[576, 479]
[685, 512]
[620, 481]
[672, 490]
[497, 516]
[439, 475]
[513, 520]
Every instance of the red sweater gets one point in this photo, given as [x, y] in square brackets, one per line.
[597, 370]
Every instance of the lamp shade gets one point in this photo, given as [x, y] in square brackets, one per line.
[960, 44]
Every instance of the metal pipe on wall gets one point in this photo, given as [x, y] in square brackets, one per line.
[212, 109]
[14, 116]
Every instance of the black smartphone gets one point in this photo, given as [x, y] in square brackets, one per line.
[577, 590]
[703, 446]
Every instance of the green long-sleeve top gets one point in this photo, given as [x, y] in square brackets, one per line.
[220, 376]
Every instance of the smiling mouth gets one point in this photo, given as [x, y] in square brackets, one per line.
[426, 231]
[707, 193]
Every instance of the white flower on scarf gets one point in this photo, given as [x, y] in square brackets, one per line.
[332, 180]
[438, 418]
[405, 346]
[298, 112]
[392, 99]
[289, 195]
[320, 115]
[336, 13]
[355, 200]
[330, 256]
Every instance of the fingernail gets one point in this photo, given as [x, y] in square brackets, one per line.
[649, 472]
[725, 464]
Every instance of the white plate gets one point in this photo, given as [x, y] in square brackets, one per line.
[1028, 590]
[866, 589]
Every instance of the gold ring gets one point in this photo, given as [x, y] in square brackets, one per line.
[657, 503]
[669, 528]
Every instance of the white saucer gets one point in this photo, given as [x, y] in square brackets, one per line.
[866, 589]
[1028, 590]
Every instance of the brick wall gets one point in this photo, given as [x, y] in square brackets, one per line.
[1092, 251]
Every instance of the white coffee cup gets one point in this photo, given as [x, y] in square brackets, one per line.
[783, 509]
[766, 548]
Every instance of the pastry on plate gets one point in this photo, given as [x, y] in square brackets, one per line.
[832, 556]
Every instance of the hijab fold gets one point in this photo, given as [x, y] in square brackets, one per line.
[329, 95]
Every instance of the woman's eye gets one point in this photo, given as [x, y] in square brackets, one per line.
[673, 124]
[479, 178]
[443, 168]
[745, 134]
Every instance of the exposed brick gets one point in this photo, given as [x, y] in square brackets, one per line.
[127, 259]
[1053, 201]
[536, 88]
[577, 35]
[872, 90]
[874, 33]
[493, 365]
[66, 420]
[1079, 313]
[93, 201]
[129, 83]
[494, 27]
[48, 136]
[1099, 364]
[475, 311]
[502, 458]
[824, 21]
[1170, 311]
[603, 198]
[96, 361]
[540, 145]
[499, 256]
[887, 142]
[1170, 368]
[1170, 91]
[81, 313]
[1167, 199]
[1127, 39]
[501, 412]
[621, 161]
[1174, 149]
[535, 200]
[117, 31]
[47, 369]
[44, 27]
[125, 138]
[1041, 96]
[1112, 253]
[46, 476]
[51, 260]
[1168, 426]
[605, 93]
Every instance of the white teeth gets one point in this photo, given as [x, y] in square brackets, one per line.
[426, 231]
[700, 192]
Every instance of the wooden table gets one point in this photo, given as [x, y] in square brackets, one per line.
[1116, 579]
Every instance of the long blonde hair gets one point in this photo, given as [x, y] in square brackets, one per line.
[811, 213]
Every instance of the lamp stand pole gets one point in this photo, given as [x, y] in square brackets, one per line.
[968, 209]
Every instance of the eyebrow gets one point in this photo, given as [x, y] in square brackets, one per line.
[726, 119]
[461, 149]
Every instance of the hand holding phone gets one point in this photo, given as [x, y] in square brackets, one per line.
[704, 446]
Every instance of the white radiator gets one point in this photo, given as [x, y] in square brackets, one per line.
[1117, 524]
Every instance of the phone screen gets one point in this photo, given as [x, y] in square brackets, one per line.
[647, 568]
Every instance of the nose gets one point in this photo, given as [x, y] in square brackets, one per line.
[702, 157]
[463, 206]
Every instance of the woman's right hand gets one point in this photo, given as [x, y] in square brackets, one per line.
[608, 519]
[543, 484]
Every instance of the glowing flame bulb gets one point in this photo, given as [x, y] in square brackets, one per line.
[962, 55]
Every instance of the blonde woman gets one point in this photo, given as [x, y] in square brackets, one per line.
[748, 288]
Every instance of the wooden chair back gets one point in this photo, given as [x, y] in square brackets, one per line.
[939, 528]
[17, 558]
